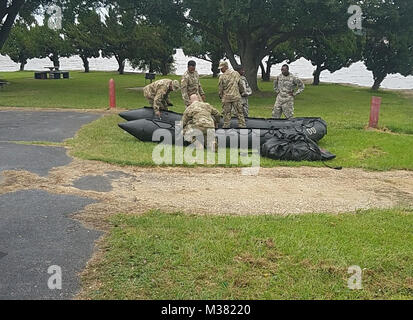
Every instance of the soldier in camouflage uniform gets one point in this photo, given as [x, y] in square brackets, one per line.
[201, 117]
[284, 86]
[248, 92]
[190, 84]
[230, 91]
[157, 94]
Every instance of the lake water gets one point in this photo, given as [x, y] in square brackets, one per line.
[356, 74]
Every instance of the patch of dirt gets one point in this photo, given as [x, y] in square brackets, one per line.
[370, 153]
[139, 89]
[221, 191]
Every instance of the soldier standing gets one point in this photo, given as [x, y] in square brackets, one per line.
[284, 86]
[157, 94]
[230, 91]
[248, 92]
[190, 84]
[201, 117]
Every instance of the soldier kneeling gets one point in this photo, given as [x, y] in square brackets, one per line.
[200, 119]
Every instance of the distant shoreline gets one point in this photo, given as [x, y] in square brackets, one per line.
[307, 81]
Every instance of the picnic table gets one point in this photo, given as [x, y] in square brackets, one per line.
[53, 73]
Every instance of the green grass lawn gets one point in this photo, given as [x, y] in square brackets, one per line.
[346, 109]
[164, 256]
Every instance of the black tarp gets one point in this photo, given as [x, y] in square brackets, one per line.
[291, 145]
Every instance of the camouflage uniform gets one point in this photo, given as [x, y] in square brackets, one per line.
[230, 91]
[157, 94]
[244, 98]
[284, 86]
[203, 117]
[190, 85]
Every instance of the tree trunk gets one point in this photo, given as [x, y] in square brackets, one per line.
[316, 75]
[121, 63]
[85, 64]
[150, 67]
[215, 59]
[251, 64]
[251, 71]
[262, 70]
[22, 65]
[267, 75]
[378, 79]
[7, 23]
[251, 54]
[165, 68]
[55, 60]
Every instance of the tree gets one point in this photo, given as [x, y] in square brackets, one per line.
[156, 47]
[388, 46]
[390, 55]
[85, 37]
[119, 37]
[203, 46]
[251, 29]
[49, 43]
[26, 9]
[19, 46]
[8, 13]
[282, 53]
[329, 52]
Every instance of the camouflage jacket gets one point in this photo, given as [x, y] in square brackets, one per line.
[231, 87]
[248, 90]
[284, 85]
[190, 85]
[158, 91]
[200, 115]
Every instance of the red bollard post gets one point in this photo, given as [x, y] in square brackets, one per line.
[112, 94]
[375, 112]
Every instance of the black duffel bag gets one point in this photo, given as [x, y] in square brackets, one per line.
[292, 145]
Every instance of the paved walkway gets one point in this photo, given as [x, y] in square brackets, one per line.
[36, 231]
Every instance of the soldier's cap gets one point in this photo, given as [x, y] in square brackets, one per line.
[175, 85]
[223, 64]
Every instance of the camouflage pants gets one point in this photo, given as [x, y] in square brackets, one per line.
[239, 112]
[163, 107]
[208, 141]
[245, 108]
[283, 105]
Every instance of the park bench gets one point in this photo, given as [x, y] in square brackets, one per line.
[59, 75]
[54, 73]
[40, 75]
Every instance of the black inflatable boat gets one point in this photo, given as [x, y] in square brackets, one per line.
[314, 128]
[144, 130]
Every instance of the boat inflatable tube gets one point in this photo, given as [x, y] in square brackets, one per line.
[145, 130]
[315, 128]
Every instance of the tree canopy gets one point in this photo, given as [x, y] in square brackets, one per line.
[19, 46]
[250, 29]
[85, 37]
